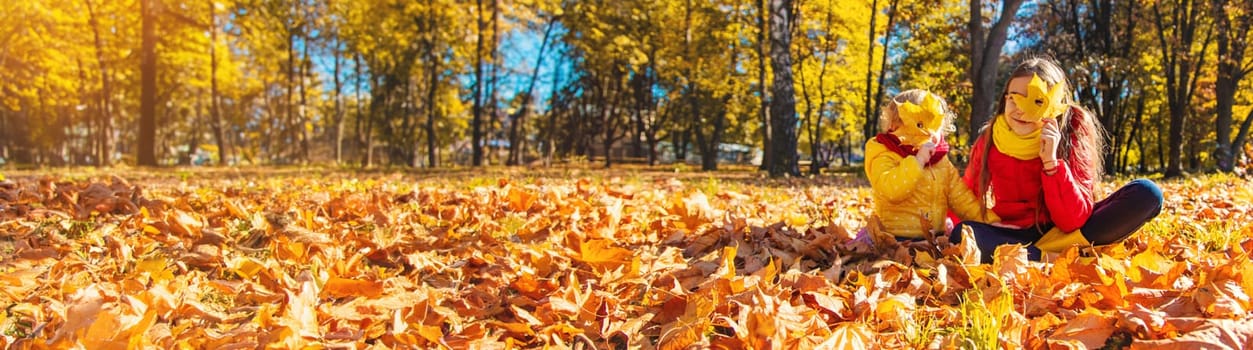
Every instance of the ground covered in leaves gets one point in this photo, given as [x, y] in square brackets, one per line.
[581, 259]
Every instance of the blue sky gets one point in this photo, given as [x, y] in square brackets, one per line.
[518, 52]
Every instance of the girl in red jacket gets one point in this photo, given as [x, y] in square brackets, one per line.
[1035, 165]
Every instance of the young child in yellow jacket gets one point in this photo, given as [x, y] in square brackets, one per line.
[913, 183]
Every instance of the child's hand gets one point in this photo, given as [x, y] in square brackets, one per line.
[924, 153]
[1050, 133]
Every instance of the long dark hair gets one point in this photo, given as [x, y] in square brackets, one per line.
[1082, 140]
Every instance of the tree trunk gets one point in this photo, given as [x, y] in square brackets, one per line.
[1144, 167]
[303, 117]
[1181, 71]
[680, 145]
[1194, 156]
[493, 102]
[813, 121]
[338, 112]
[607, 116]
[814, 115]
[1231, 48]
[763, 27]
[377, 100]
[1136, 126]
[408, 140]
[638, 87]
[848, 150]
[1161, 145]
[695, 108]
[359, 129]
[611, 119]
[710, 162]
[7, 134]
[783, 105]
[193, 137]
[215, 104]
[432, 92]
[89, 118]
[708, 153]
[476, 125]
[105, 132]
[575, 135]
[883, 68]
[638, 83]
[874, 101]
[1241, 137]
[550, 132]
[651, 136]
[289, 131]
[984, 59]
[516, 132]
[148, 87]
[1225, 95]
[868, 126]
[271, 124]
[812, 124]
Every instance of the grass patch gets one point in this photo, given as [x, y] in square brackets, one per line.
[1217, 235]
[982, 321]
[921, 334]
[1214, 235]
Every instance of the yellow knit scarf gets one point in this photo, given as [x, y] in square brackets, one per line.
[1022, 147]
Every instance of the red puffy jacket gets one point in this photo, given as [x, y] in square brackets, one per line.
[1019, 186]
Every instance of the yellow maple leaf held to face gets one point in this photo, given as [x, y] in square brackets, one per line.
[1040, 102]
[920, 122]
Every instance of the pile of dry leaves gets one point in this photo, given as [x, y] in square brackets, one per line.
[295, 262]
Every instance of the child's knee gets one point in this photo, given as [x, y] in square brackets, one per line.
[1146, 193]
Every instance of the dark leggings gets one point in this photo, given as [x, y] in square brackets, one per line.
[1112, 220]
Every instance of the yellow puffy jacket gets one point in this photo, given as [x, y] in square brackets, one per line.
[911, 200]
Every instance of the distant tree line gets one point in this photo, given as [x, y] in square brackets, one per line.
[432, 83]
